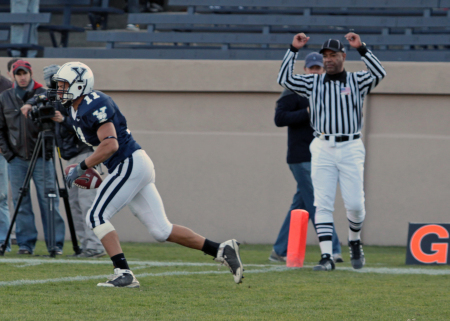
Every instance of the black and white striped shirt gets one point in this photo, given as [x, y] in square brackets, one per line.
[336, 101]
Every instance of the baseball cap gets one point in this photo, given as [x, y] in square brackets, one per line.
[334, 45]
[313, 59]
[21, 65]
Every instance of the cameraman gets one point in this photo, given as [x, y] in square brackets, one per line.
[18, 137]
[73, 151]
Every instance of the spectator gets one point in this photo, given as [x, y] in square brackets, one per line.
[11, 77]
[73, 151]
[24, 6]
[18, 137]
[9, 72]
[4, 83]
[293, 111]
[4, 209]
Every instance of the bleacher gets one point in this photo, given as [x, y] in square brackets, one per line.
[25, 19]
[98, 15]
[414, 30]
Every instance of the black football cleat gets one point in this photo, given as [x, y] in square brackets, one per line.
[356, 254]
[228, 255]
[121, 279]
[326, 263]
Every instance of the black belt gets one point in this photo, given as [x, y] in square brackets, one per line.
[342, 138]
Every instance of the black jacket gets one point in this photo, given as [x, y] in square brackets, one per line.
[4, 84]
[291, 111]
[18, 134]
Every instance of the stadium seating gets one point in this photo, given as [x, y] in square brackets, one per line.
[69, 7]
[27, 19]
[65, 7]
[81, 7]
[97, 15]
[413, 30]
[4, 35]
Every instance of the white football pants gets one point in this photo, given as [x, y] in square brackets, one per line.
[343, 163]
[132, 183]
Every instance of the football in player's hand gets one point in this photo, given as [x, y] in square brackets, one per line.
[89, 180]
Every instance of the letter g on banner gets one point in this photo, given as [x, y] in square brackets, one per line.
[440, 249]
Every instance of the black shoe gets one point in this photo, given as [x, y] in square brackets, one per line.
[229, 255]
[356, 254]
[121, 278]
[325, 264]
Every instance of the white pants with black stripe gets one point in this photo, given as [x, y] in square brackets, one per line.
[341, 163]
[132, 183]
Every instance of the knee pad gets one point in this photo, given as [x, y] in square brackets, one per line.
[103, 229]
[356, 216]
[159, 234]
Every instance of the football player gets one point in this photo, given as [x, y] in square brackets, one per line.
[131, 181]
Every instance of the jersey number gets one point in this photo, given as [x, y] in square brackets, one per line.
[80, 135]
[94, 96]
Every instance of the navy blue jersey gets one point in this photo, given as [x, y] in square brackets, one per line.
[95, 110]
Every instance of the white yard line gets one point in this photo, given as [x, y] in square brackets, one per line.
[96, 277]
[385, 270]
[32, 261]
[28, 264]
[258, 268]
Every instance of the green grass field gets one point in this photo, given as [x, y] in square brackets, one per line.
[183, 284]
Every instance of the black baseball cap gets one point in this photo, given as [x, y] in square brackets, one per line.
[334, 45]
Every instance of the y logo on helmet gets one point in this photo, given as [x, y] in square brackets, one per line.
[101, 114]
[80, 72]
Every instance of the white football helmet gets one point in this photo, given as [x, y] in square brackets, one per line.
[80, 79]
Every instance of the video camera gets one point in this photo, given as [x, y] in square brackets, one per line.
[44, 107]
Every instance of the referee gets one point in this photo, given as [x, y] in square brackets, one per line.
[336, 100]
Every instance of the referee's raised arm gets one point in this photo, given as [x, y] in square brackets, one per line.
[366, 80]
[302, 84]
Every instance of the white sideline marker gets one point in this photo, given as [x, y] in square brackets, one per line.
[108, 262]
[95, 277]
[137, 265]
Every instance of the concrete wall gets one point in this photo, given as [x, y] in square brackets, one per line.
[220, 160]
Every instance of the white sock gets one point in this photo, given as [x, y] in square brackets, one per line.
[326, 247]
[354, 236]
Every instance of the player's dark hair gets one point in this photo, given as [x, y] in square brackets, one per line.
[11, 62]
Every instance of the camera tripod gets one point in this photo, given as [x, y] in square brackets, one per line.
[46, 137]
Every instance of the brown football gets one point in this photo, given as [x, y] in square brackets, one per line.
[89, 180]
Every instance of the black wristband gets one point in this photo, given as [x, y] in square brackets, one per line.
[362, 50]
[293, 49]
[83, 165]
